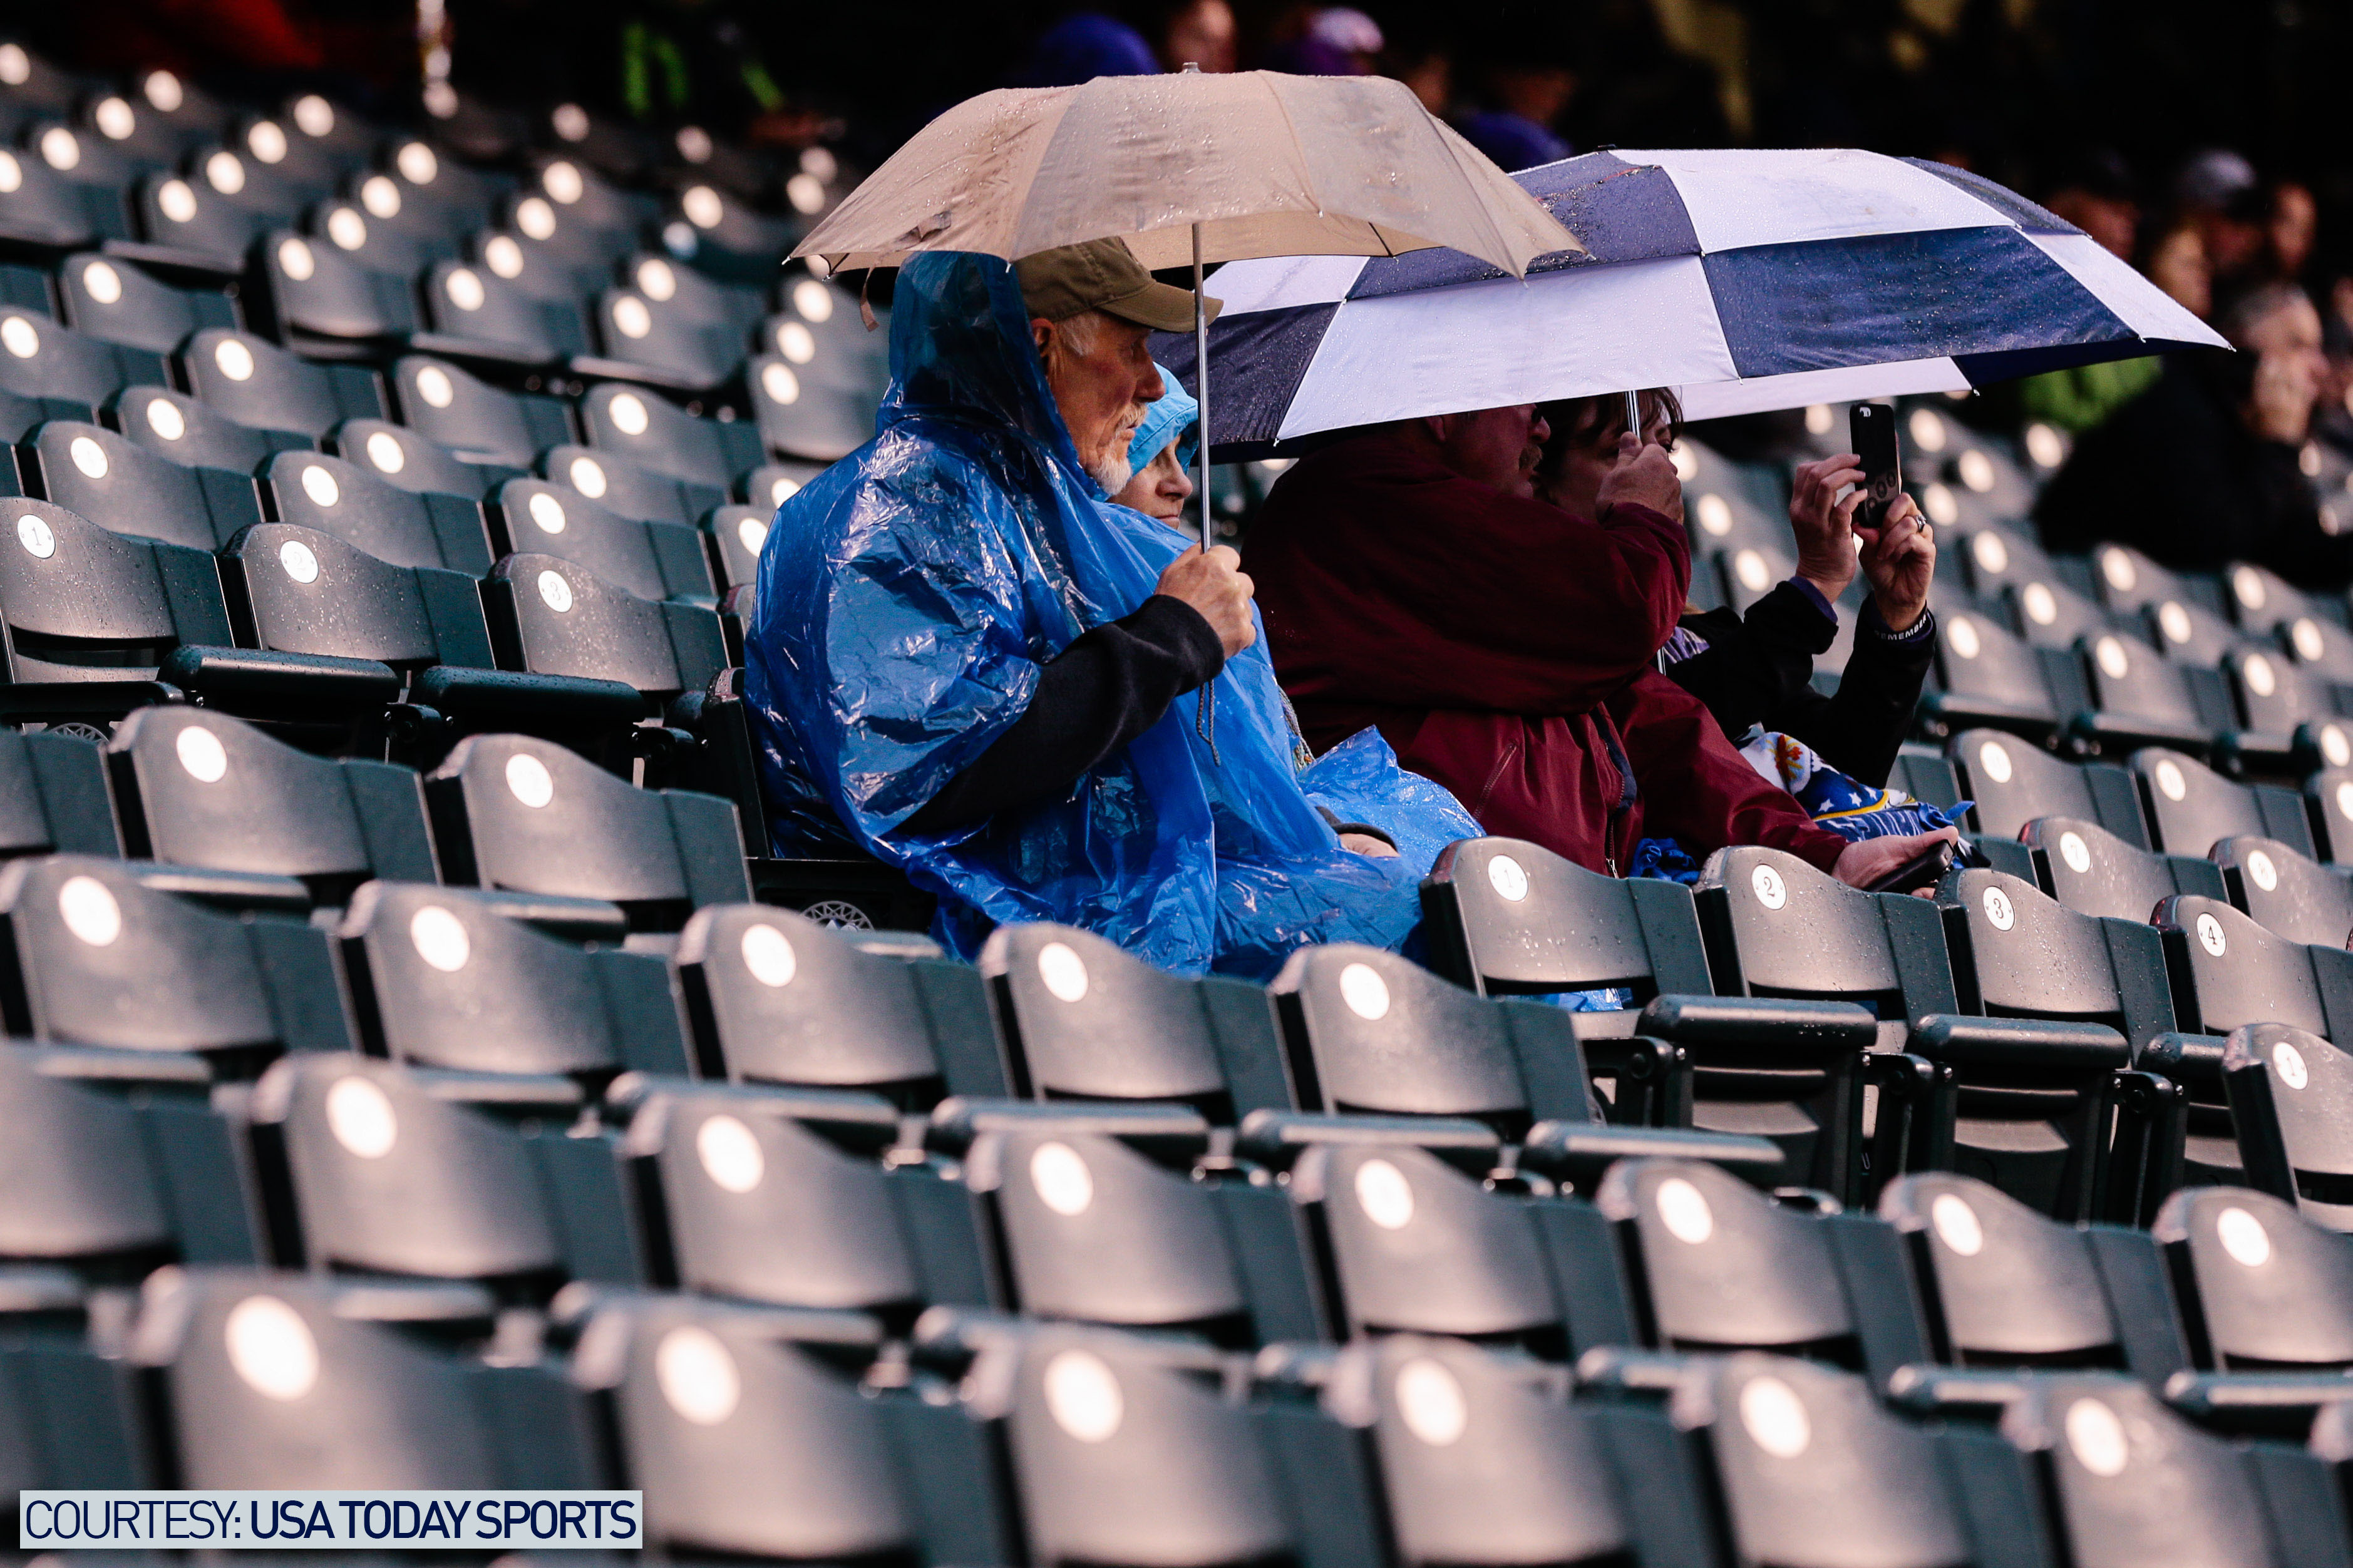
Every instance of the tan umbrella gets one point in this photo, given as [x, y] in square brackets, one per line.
[1190, 166]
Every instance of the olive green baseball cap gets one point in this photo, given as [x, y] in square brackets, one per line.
[1102, 275]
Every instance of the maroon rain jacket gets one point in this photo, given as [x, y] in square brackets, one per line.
[1504, 648]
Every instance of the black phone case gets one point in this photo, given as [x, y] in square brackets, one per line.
[1920, 872]
[1872, 427]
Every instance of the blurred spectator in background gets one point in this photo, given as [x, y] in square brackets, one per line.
[1425, 65]
[2291, 229]
[2218, 193]
[1524, 97]
[1082, 46]
[2177, 264]
[1201, 33]
[2095, 194]
[2204, 469]
[1325, 40]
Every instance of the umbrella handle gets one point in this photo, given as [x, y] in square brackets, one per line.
[1205, 709]
[1634, 415]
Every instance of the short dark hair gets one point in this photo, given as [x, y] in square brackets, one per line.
[1603, 414]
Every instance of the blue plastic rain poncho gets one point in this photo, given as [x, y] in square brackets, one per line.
[1174, 415]
[907, 599]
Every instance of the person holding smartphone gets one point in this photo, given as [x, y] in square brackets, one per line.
[1755, 670]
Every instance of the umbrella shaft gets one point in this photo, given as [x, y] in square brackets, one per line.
[1201, 380]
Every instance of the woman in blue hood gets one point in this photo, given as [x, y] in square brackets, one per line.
[908, 600]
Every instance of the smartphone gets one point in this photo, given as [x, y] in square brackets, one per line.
[1920, 872]
[1871, 426]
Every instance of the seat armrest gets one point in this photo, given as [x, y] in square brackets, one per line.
[493, 694]
[576, 920]
[2274, 1402]
[1926, 1390]
[1582, 1151]
[235, 889]
[1827, 1027]
[2191, 1060]
[1277, 1138]
[2029, 1044]
[1615, 1369]
[957, 1122]
[233, 677]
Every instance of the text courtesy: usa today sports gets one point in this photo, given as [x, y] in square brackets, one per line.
[313, 1521]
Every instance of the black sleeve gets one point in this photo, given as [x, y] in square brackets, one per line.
[1094, 697]
[1859, 730]
[1757, 665]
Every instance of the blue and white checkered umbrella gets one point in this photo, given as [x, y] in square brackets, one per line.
[1747, 280]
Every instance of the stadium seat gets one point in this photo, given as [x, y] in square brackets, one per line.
[1368, 1032]
[1803, 1453]
[1988, 676]
[2192, 809]
[126, 489]
[88, 616]
[41, 208]
[630, 489]
[102, 959]
[2290, 715]
[528, 816]
[203, 789]
[2132, 1482]
[260, 384]
[2288, 1090]
[474, 420]
[2140, 698]
[2129, 582]
[2188, 632]
[1083, 1019]
[73, 372]
[415, 229]
[277, 1380]
[477, 314]
[1751, 572]
[194, 434]
[442, 977]
[2228, 972]
[695, 296]
[120, 304]
[1719, 1265]
[2036, 1096]
[748, 1436]
[1409, 1241]
[2093, 872]
[2329, 805]
[121, 1164]
[666, 346]
[806, 419]
[781, 1198]
[1776, 928]
[591, 204]
[1998, 558]
[308, 164]
[1098, 1217]
[2013, 783]
[1179, 1479]
[379, 246]
[378, 1169]
[462, 195]
[657, 434]
[2049, 614]
[771, 485]
[191, 225]
[320, 302]
[53, 796]
[736, 534]
[405, 459]
[2322, 645]
[368, 627]
[2263, 1288]
[552, 617]
[2262, 600]
[397, 526]
[1480, 1458]
[2006, 1289]
[650, 560]
[2287, 893]
[775, 997]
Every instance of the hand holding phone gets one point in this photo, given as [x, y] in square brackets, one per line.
[1871, 426]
